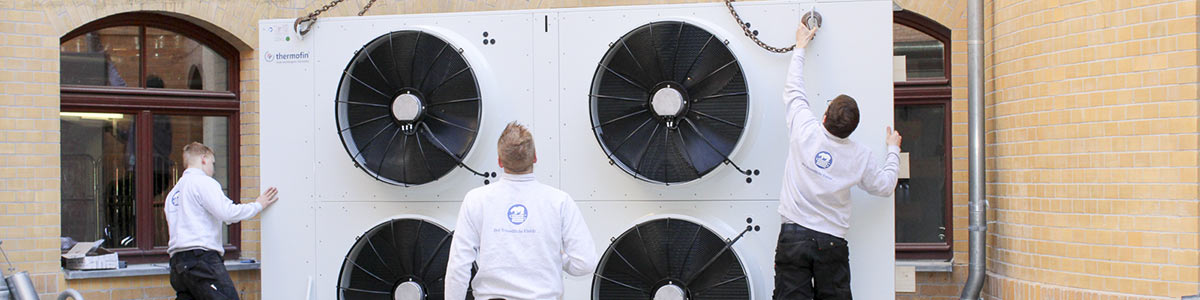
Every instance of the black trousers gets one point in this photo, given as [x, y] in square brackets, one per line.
[811, 265]
[201, 275]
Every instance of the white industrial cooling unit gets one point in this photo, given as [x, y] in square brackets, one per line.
[664, 122]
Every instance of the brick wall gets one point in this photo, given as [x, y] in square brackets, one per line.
[29, 139]
[1092, 148]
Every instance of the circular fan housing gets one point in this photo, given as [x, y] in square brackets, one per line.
[398, 259]
[668, 102]
[669, 259]
[408, 108]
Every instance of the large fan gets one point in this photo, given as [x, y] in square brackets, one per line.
[408, 108]
[399, 259]
[670, 259]
[668, 102]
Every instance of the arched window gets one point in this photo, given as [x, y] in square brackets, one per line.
[921, 48]
[136, 88]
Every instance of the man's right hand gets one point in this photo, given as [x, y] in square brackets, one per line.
[804, 35]
[268, 197]
[893, 137]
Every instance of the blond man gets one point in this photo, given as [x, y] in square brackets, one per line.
[522, 234]
[195, 210]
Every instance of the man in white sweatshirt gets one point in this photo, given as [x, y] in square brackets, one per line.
[522, 234]
[195, 210]
[811, 258]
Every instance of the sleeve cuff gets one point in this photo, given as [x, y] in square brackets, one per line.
[798, 53]
[893, 149]
[258, 207]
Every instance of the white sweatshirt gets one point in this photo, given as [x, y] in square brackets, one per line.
[523, 235]
[821, 167]
[195, 209]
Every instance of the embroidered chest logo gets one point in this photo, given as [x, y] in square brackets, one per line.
[823, 160]
[517, 214]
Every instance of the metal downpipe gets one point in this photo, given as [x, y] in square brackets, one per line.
[977, 189]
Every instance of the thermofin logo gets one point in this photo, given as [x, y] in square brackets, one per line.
[285, 58]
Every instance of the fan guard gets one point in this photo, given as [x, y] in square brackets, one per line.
[408, 108]
[398, 259]
[669, 102]
[670, 258]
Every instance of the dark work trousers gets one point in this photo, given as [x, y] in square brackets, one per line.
[201, 275]
[811, 265]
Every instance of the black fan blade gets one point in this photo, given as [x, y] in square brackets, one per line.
[422, 81]
[691, 246]
[641, 156]
[363, 294]
[406, 233]
[383, 253]
[694, 258]
[669, 54]
[722, 144]
[651, 236]
[625, 140]
[703, 156]
[407, 246]
[635, 252]
[393, 164]
[362, 276]
[713, 81]
[676, 46]
[400, 50]
[434, 266]
[435, 72]
[379, 50]
[437, 158]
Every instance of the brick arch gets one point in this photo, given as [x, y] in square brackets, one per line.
[949, 13]
[237, 31]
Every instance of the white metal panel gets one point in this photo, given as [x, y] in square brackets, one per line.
[502, 70]
[539, 72]
[545, 82]
[285, 147]
[852, 55]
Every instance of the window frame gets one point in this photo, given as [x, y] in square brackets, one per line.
[144, 103]
[930, 91]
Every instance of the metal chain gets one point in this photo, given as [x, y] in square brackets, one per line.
[746, 30]
[312, 16]
[366, 8]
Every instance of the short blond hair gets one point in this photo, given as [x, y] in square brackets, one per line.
[516, 148]
[196, 150]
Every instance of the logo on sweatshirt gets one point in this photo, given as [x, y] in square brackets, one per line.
[517, 214]
[823, 160]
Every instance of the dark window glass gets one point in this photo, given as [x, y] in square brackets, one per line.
[98, 182]
[923, 54]
[921, 199]
[171, 134]
[105, 57]
[174, 61]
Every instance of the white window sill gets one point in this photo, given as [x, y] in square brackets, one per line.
[149, 270]
[928, 265]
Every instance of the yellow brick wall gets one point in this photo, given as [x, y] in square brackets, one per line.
[1092, 148]
[29, 139]
[1094, 141]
